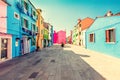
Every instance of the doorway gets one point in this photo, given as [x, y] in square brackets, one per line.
[4, 48]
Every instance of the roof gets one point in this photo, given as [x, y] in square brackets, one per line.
[86, 23]
[6, 2]
[104, 22]
[118, 14]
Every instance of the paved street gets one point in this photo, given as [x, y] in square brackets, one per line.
[52, 63]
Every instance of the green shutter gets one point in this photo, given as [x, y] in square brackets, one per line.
[22, 21]
[27, 23]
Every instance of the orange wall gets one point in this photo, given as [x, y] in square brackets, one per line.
[40, 28]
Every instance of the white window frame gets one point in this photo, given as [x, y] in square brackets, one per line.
[15, 13]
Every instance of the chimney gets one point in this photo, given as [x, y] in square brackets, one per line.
[109, 13]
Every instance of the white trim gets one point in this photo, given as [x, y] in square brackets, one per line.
[110, 42]
[110, 28]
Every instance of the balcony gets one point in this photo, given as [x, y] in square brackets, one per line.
[26, 31]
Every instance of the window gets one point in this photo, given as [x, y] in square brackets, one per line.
[110, 35]
[16, 15]
[79, 33]
[25, 6]
[33, 13]
[33, 27]
[91, 37]
[42, 31]
[41, 22]
[33, 41]
[25, 25]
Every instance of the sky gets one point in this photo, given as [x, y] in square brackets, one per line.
[63, 14]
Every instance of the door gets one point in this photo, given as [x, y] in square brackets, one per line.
[4, 48]
[26, 45]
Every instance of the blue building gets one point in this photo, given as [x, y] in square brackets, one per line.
[21, 24]
[52, 32]
[50, 41]
[28, 26]
[13, 26]
[103, 35]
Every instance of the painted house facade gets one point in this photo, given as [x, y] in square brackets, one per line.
[46, 34]
[61, 37]
[28, 26]
[52, 35]
[75, 36]
[50, 42]
[13, 26]
[103, 35]
[40, 38]
[55, 37]
[84, 25]
[21, 24]
[5, 38]
[69, 38]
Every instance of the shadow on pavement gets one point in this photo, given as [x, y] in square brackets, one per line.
[82, 55]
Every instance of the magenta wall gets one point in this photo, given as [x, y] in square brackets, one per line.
[3, 17]
[61, 37]
[55, 39]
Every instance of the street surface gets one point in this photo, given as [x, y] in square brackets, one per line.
[52, 63]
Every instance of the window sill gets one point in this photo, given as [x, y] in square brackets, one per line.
[110, 42]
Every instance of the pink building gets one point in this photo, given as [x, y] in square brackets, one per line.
[55, 39]
[60, 37]
[5, 39]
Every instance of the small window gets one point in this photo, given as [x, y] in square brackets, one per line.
[33, 27]
[33, 41]
[16, 15]
[110, 35]
[25, 23]
[91, 37]
[33, 13]
[41, 22]
[25, 5]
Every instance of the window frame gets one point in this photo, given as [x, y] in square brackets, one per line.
[93, 38]
[108, 36]
[15, 13]
[26, 6]
[26, 23]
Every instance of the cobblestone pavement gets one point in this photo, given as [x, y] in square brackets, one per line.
[52, 63]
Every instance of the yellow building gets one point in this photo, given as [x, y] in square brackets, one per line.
[40, 38]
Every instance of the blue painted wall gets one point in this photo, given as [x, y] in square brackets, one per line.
[52, 32]
[13, 26]
[31, 20]
[98, 28]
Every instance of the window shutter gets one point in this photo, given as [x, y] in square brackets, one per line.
[114, 35]
[107, 35]
[94, 37]
[22, 22]
[27, 23]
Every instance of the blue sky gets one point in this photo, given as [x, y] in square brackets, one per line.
[63, 14]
